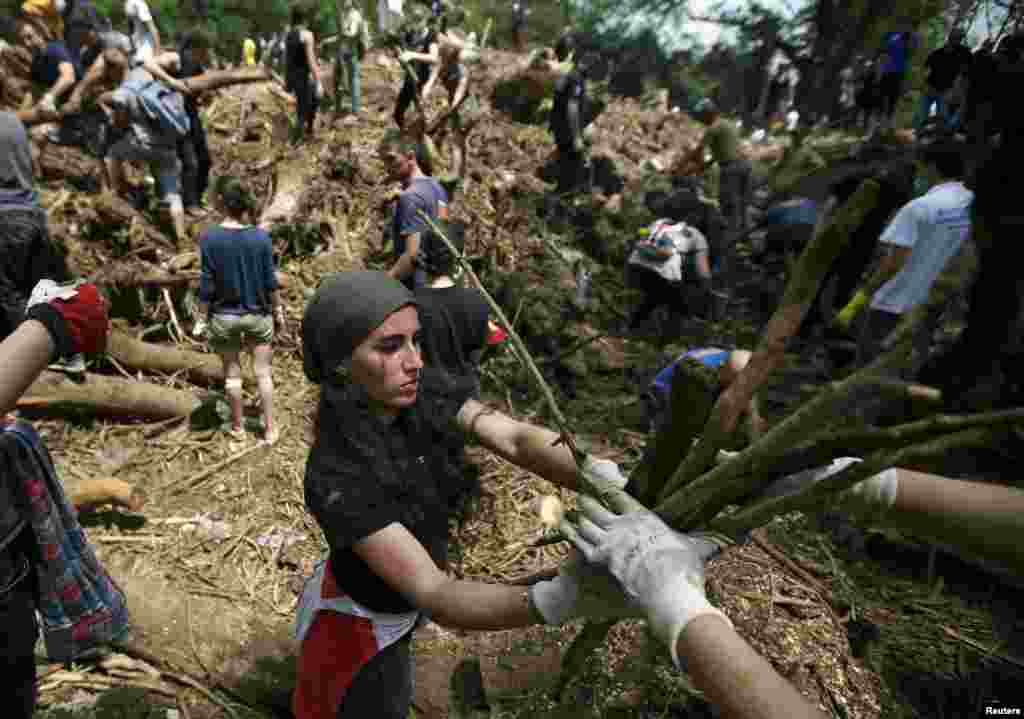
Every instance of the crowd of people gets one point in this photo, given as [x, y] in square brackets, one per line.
[394, 353]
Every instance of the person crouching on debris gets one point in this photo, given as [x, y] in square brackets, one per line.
[238, 292]
[54, 68]
[141, 138]
[46, 564]
[670, 266]
[379, 481]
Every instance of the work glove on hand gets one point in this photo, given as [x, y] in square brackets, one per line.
[660, 570]
[199, 329]
[75, 316]
[319, 91]
[849, 313]
[582, 590]
[869, 499]
[603, 474]
[47, 104]
[405, 56]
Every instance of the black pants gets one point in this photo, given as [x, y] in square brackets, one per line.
[194, 153]
[382, 688]
[405, 98]
[657, 292]
[890, 87]
[570, 168]
[17, 658]
[307, 104]
[733, 199]
[28, 255]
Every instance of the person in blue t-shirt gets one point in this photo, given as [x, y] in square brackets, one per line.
[897, 48]
[419, 193]
[238, 292]
[54, 67]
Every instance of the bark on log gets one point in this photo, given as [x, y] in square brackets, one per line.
[90, 493]
[217, 79]
[291, 177]
[201, 369]
[116, 212]
[57, 163]
[131, 277]
[112, 397]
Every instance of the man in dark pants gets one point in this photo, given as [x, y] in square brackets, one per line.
[422, 53]
[174, 68]
[945, 66]
[566, 123]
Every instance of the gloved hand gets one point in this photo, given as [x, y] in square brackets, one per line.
[660, 570]
[405, 56]
[581, 590]
[849, 313]
[199, 329]
[75, 316]
[604, 474]
[47, 104]
[866, 500]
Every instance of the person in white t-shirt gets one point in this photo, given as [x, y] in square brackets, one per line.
[143, 30]
[921, 239]
[668, 260]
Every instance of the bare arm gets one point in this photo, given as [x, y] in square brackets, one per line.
[159, 65]
[526, 445]
[428, 86]
[155, 32]
[406, 265]
[738, 681]
[703, 265]
[23, 355]
[94, 75]
[310, 45]
[890, 264]
[65, 81]
[397, 557]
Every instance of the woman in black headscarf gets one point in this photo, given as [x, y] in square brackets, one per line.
[378, 481]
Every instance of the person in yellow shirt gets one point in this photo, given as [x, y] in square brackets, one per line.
[248, 51]
[48, 15]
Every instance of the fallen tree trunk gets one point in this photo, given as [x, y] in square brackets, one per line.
[131, 277]
[201, 369]
[90, 493]
[291, 177]
[57, 163]
[216, 79]
[114, 211]
[55, 393]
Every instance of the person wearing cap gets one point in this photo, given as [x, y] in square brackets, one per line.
[174, 69]
[376, 482]
[420, 195]
[141, 140]
[238, 300]
[721, 140]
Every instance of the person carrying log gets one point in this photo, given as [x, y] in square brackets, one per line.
[353, 42]
[922, 238]
[55, 70]
[105, 61]
[175, 69]
[722, 141]
[239, 306]
[148, 120]
[46, 563]
[302, 73]
[419, 193]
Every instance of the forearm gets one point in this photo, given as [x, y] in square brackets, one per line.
[155, 32]
[480, 606]
[24, 354]
[984, 519]
[203, 310]
[404, 266]
[738, 682]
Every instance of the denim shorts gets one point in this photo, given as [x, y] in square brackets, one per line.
[230, 333]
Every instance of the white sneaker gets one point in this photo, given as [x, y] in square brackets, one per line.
[75, 364]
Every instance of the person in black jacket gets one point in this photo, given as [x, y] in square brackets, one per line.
[946, 66]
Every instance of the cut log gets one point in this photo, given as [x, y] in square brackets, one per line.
[113, 211]
[55, 393]
[134, 277]
[90, 493]
[216, 79]
[291, 177]
[57, 162]
[201, 369]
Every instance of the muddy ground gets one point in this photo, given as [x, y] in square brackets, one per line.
[213, 565]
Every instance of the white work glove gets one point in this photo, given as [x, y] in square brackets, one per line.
[660, 570]
[319, 91]
[199, 329]
[47, 103]
[603, 474]
[582, 590]
[868, 499]
[405, 56]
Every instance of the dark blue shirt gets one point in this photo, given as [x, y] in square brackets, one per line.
[46, 63]
[423, 193]
[237, 270]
